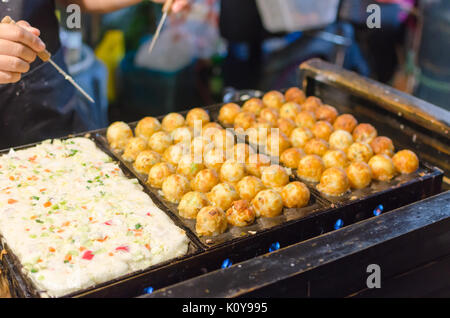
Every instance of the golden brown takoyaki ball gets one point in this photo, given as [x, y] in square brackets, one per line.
[214, 159]
[274, 176]
[118, 134]
[191, 203]
[256, 163]
[334, 182]
[310, 168]
[277, 143]
[241, 152]
[359, 151]
[248, 187]
[267, 203]
[406, 161]
[295, 195]
[359, 174]
[364, 133]
[182, 135]
[197, 114]
[223, 195]
[345, 122]
[273, 99]
[340, 140]
[241, 213]
[158, 173]
[296, 95]
[286, 126]
[269, 115]
[145, 160]
[174, 187]
[205, 180]
[188, 167]
[305, 119]
[244, 120]
[291, 157]
[211, 221]
[316, 146]
[257, 135]
[146, 127]
[174, 153]
[327, 113]
[335, 158]
[253, 105]
[223, 139]
[290, 110]
[211, 125]
[311, 104]
[322, 129]
[232, 171]
[228, 113]
[383, 168]
[382, 145]
[200, 146]
[172, 121]
[300, 136]
[134, 147]
[160, 141]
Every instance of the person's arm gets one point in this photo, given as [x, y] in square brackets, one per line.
[103, 6]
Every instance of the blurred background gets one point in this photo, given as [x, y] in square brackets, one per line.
[216, 47]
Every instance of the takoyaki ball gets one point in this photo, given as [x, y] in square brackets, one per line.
[359, 174]
[364, 133]
[295, 195]
[118, 135]
[295, 94]
[146, 127]
[256, 163]
[327, 113]
[274, 176]
[214, 159]
[188, 167]
[273, 99]
[248, 187]
[305, 119]
[311, 104]
[270, 115]
[322, 129]
[174, 187]
[134, 147]
[228, 113]
[286, 126]
[232, 171]
[200, 146]
[241, 213]
[211, 125]
[191, 203]
[291, 157]
[340, 140]
[211, 221]
[334, 182]
[382, 145]
[160, 141]
[406, 161]
[345, 122]
[335, 158]
[241, 152]
[257, 135]
[310, 168]
[277, 143]
[300, 136]
[244, 120]
[359, 151]
[174, 153]
[182, 135]
[172, 121]
[253, 105]
[223, 139]
[316, 146]
[383, 168]
[197, 114]
[290, 110]
[158, 173]
[205, 180]
[145, 160]
[267, 203]
[223, 195]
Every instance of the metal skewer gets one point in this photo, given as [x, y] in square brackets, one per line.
[166, 10]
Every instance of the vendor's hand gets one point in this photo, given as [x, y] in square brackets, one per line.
[19, 45]
[178, 5]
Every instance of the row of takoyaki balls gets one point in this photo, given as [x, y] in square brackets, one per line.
[212, 179]
[325, 147]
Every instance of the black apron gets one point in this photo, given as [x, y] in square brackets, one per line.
[42, 104]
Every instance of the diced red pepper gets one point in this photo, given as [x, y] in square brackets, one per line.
[108, 222]
[88, 255]
[123, 248]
